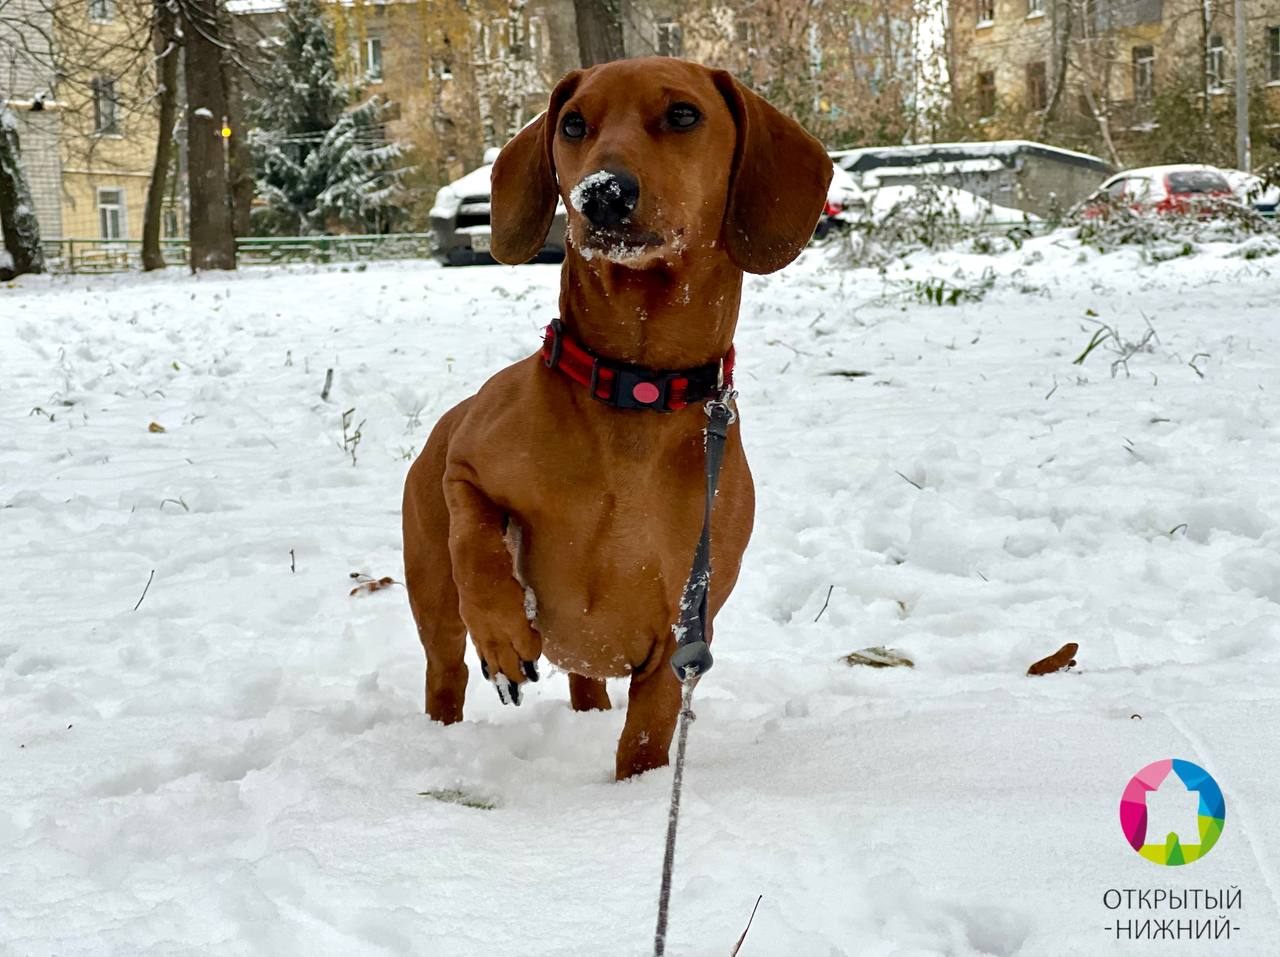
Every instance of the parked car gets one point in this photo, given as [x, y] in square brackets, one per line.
[1254, 191]
[845, 202]
[461, 224]
[1162, 190]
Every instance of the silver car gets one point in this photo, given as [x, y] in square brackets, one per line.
[460, 221]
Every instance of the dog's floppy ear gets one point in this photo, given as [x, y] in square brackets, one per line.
[523, 196]
[777, 186]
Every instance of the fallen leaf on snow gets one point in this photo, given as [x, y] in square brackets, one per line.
[368, 585]
[1060, 660]
[878, 657]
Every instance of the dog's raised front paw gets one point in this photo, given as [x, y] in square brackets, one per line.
[508, 690]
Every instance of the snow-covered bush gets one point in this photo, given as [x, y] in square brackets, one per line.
[897, 220]
[1167, 235]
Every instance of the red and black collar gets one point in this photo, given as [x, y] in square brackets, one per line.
[625, 386]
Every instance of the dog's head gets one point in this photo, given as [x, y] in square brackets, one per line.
[657, 157]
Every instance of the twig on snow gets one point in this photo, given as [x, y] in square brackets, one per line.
[905, 479]
[738, 945]
[824, 606]
[144, 589]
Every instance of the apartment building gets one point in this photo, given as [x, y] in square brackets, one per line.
[107, 145]
[1095, 69]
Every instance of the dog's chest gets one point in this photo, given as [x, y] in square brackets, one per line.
[604, 573]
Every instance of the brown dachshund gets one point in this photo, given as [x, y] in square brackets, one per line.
[556, 511]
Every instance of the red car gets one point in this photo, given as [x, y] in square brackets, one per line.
[1166, 190]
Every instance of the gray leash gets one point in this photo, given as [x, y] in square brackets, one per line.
[693, 656]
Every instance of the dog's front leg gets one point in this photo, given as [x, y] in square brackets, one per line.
[490, 599]
[653, 706]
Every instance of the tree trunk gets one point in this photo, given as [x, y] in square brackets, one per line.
[239, 159]
[213, 244]
[17, 212]
[1104, 127]
[599, 30]
[165, 41]
[1062, 62]
[1205, 98]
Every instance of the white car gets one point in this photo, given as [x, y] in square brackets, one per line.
[1162, 190]
[460, 219]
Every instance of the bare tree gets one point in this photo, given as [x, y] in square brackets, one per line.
[235, 72]
[599, 30]
[165, 37]
[212, 240]
[850, 73]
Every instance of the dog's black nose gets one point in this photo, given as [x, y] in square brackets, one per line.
[606, 197]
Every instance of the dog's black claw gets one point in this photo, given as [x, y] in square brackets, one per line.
[530, 669]
[484, 669]
[508, 690]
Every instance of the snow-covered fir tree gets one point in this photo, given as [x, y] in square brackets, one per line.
[321, 160]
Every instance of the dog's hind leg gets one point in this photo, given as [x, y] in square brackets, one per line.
[428, 573]
[588, 694]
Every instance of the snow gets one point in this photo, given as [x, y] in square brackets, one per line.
[238, 765]
[605, 180]
[204, 111]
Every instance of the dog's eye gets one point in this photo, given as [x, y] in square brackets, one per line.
[682, 116]
[573, 126]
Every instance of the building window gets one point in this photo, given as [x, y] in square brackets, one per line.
[1144, 74]
[1215, 61]
[537, 39]
[442, 65]
[496, 39]
[104, 106]
[1035, 8]
[670, 38]
[986, 12]
[373, 58]
[986, 94]
[1037, 88]
[1273, 54]
[111, 224]
[101, 11]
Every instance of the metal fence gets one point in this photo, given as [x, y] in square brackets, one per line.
[123, 255]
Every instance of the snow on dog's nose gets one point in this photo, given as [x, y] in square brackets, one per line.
[606, 197]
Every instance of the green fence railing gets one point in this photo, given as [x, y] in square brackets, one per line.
[123, 255]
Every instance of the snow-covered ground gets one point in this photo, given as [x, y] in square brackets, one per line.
[238, 765]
